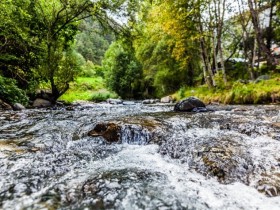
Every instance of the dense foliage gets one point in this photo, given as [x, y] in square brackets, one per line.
[123, 71]
[37, 40]
[10, 92]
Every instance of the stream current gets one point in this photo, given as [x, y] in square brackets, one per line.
[225, 159]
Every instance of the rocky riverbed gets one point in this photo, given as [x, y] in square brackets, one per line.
[137, 156]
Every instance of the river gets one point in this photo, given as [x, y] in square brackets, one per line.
[57, 159]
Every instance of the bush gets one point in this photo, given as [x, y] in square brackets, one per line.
[102, 96]
[10, 93]
[123, 71]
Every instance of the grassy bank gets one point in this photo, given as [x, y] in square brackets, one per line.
[263, 92]
[87, 89]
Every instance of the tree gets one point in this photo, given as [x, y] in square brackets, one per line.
[167, 46]
[277, 23]
[20, 49]
[244, 20]
[59, 22]
[93, 40]
[254, 10]
[123, 71]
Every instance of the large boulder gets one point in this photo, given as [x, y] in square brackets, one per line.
[41, 103]
[18, 107]
[190, 104]
[5, 106]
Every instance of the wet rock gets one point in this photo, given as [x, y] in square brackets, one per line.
[135, 131]
[18, 107]
[200, 109]
[109, 131]
[114, 101]
[111, 188]
[167, 99]
[5, 106]
[188, 105]
[41, 103]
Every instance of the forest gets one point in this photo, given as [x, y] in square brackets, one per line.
[136, 49]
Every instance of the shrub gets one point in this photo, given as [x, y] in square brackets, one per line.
[102, 96]
[10, 93]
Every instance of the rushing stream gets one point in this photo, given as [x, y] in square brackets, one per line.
[134, 156]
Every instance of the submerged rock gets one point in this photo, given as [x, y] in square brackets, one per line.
[190, 104]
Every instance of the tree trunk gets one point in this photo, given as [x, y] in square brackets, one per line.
[254, 53]
[270, 29]
[259, 35]
[215, 61]
[249, 59]
[208, 73]
[219, 18]
[222, 61]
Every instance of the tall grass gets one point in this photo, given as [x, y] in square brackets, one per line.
[266, 91]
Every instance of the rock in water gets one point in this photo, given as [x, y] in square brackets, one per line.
[18, 107]
[109, 131]
[189, 104]
[166, 99]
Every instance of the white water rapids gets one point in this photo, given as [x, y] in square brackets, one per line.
[227, 159]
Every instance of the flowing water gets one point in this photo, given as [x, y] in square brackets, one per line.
[225, 159]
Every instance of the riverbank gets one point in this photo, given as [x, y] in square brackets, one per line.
[240, 92]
